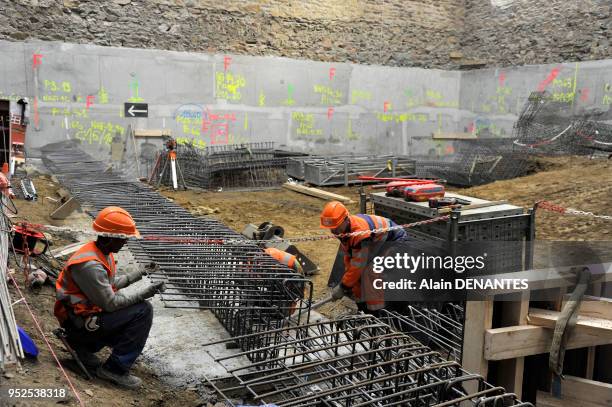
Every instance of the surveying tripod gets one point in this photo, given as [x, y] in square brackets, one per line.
[169, 156]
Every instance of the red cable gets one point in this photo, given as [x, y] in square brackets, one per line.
[59, 364]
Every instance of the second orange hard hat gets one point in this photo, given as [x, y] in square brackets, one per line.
[333, 214]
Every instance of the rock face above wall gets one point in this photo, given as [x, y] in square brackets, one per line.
[422, 33]
[519, 32]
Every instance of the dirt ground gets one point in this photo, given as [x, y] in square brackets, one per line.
[573, 182]
[43, 372]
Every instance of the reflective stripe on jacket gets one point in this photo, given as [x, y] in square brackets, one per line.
[69, 294]
[282, 257]
[356, 253]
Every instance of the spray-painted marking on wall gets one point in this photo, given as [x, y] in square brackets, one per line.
[134, 86]
[69, 112]
[483, 126]
[57, 91]
[12, 97]
[360, 95]
[96, 132]
[305, 125]
[501, 93]
[551, 77]
[563, 90]
[607, 97]
[350, 134]
[402, 117]
[102, 96]
[262, 99]
[290, 101]
[228, 85]
[329, 95]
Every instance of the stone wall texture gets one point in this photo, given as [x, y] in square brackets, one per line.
[386, 32]
[447, 34]
[519, 32]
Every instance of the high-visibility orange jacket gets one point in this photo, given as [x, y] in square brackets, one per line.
[69, 294]
[285, 258]
[356, 250]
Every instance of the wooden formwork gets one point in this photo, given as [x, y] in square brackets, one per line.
[514, 352]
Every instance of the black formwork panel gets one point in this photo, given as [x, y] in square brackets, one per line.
[507, 224]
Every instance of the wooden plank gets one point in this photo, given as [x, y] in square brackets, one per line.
[478, 318]
[454, 136]
[510, 372]
[525, 340]
[593, 326]
[547, 400]
[152, 132]
[65, 210]
[318, 193]
[594, 307]
[587, 390]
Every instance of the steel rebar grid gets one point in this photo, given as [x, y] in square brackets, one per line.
[353, 361]
[245, 288]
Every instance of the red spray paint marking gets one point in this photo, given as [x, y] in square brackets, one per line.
[470, 128]
[89, 101]
[551, 77]
[226, 62]
[502, 79]
[386, 106]
[332, 73]
[36, 115]
[449, 149]
[36, 60]
[330, 113]
[584, 94]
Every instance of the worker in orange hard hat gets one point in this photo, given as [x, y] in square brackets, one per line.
[94, 309]
[285, 258]
[358, 250]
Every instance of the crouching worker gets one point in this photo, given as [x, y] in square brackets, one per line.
[360, 242]
[94, 309]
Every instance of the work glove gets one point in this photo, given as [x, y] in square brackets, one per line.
[133, 276]
[338, 292]
[151, 290]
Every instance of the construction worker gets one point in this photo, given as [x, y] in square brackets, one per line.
[285, 258]
[358, 251]
[94, 309]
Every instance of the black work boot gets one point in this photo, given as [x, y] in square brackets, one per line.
[124, 380]
[89, 360]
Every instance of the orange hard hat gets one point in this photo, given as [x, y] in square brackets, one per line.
[113, 219]
[333, 214]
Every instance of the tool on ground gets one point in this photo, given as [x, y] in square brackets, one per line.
[448, 209]
[446, 201]
[28, 189]
[322, 302]
[30, 240]
[269, 232]
[60, 333]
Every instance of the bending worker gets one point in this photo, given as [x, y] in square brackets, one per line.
[94, 309]
[358, 251]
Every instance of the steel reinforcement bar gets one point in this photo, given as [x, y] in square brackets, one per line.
[356, 361]
[247, 290]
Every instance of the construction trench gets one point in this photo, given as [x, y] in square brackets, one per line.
[350, 361]
[320, 203]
